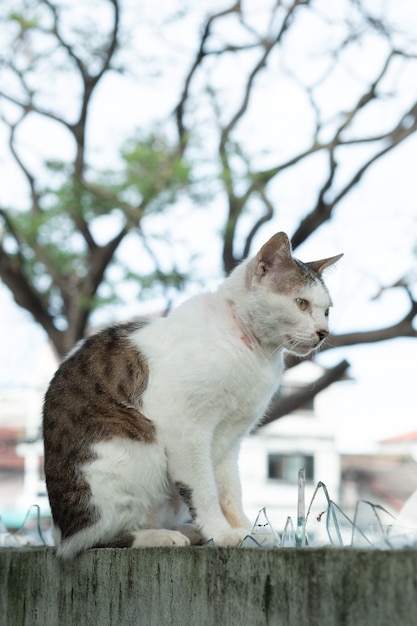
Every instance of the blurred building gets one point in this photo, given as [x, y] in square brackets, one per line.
[24, 379]
[388, 477]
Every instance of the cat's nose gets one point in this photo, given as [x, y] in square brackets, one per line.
[322, 334]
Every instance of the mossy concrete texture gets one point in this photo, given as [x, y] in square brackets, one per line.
[209, 586]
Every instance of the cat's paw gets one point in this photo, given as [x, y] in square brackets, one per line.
[192, 532]
[153, 538]
[232, 537]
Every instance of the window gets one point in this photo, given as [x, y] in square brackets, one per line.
[286, 466]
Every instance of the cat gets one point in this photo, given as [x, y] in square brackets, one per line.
[143, 421]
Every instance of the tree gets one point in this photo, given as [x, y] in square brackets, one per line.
[59, 56]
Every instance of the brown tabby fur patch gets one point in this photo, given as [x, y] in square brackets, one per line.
[94, 396]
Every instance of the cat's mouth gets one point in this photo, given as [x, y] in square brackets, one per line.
[301, 347]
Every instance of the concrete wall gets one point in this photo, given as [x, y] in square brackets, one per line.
[209, 586]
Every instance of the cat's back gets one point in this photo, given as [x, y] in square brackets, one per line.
[102, 373]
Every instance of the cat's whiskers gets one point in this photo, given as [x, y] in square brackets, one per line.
[294, 344]
[279, 348]
[328, 342]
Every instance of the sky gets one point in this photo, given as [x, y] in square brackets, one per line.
[375, 227]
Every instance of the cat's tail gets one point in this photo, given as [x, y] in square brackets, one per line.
[84, 539]
[67, 548]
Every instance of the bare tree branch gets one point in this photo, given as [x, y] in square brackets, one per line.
[268, 45]
[403, 328]
[89, 81]
[200, 56]
[27, 174]
[25, 295]
[323, 210]
[266, 217]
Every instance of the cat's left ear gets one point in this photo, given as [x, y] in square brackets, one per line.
[276, 252]
[320, 266]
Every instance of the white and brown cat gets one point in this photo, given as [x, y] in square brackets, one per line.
[143, 421]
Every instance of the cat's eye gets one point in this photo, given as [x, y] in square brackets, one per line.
[301, 303]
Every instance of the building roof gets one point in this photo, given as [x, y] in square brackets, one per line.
[406, 437]
[382, 479]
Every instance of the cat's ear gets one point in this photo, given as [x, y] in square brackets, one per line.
[275, 252]
[320, 266]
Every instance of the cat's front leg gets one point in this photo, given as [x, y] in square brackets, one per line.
[230, 491]
[191, 469]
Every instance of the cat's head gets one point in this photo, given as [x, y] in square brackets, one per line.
[289, 298]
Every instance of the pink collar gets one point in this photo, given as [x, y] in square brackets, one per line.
[247, 338]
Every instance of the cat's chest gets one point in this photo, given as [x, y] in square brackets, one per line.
[209, 382]
[241, 386]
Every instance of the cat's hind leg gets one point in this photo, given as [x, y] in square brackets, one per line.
[155, 537]
[146, 538]
[142, 538]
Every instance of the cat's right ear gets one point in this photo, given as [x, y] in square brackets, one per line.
[275, 253]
